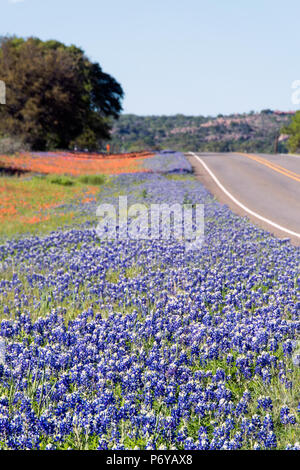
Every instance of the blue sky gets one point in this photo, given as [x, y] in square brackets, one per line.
[177, 56]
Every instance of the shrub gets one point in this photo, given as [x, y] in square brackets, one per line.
[62, 180]
[95, 180]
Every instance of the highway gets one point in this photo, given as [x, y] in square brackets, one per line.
[265, 188]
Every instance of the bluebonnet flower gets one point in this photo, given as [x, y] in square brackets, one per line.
[264, 403]
[142, 343]
[286, 417]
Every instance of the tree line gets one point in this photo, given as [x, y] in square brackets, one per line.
[249, 132]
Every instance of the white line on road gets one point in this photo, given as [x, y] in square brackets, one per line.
[238, 203]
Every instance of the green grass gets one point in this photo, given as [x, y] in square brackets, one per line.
[93, 180]
[61, 180]
[112, 276]
[90, 180]
[179, 177]
[36, 204]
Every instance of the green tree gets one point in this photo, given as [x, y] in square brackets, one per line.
[293, 130]
[55, 96]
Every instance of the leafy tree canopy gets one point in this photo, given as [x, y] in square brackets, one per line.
[294, 132]
[55, 96]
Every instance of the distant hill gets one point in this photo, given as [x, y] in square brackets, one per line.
[252, 132]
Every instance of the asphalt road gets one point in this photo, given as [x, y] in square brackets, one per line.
[266, 188]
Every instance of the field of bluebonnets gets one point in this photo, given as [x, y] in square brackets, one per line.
[128, 344]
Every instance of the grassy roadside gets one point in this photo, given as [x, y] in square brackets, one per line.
[38, 204]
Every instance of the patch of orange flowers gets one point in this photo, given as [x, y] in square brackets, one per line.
[35, 219]
[75, 164]
[31, 204]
